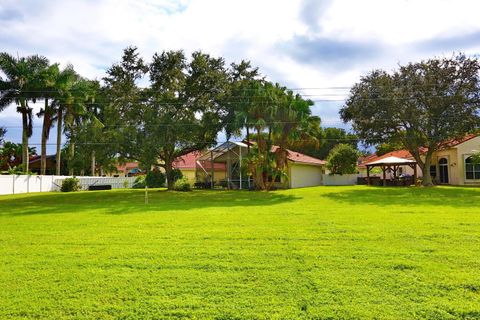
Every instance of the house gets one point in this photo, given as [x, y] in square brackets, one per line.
[188, 165]
[303, 170]
[127, 169]
[35, 163]
[451, 164]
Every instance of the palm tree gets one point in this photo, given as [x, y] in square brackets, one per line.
[49, 79]
[21, 85]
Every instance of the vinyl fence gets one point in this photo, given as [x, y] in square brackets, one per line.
[13, 184]
[339, 180]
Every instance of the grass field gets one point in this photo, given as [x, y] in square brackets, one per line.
[316, 253]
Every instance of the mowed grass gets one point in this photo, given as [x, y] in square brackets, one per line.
[314, 253]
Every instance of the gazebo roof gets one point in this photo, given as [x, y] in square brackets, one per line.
[390, 161]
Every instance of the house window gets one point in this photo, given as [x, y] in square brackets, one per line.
[472, 170]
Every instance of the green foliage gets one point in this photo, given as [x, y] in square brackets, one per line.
[372, 254]
[342, 159]
[476, 158]
[182, 184]
[419, 105]
[155, 179]
[176, 174]
[70, 185]
[387, 147]
[326, 140]
[139, 182]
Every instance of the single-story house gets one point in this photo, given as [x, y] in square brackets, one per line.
[452, 164]
[127, 169]
[303, 170]
[34, 164]
[188, 165]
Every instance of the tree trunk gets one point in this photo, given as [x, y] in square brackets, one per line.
[93, 163]
[427, 178]
[43, 157]
[59, 142]
[71, 156]
[25, 159]
[168, 174]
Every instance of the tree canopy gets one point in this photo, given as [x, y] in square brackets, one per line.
[418, 106]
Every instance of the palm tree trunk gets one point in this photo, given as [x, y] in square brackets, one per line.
[25, 159]
[93, 164]
[59, 142]
[71, 155]
[43, 157]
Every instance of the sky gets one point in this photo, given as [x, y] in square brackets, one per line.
[320, 48]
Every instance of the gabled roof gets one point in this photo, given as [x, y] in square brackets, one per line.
[301, 158]
[390, 160]
[400, 154]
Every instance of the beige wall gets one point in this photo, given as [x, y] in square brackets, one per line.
[456, 161]
[305, 175]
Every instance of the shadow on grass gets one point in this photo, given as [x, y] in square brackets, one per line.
[410, 196]
[133, 201]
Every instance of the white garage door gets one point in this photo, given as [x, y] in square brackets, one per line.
[305, 176]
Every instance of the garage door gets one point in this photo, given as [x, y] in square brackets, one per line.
[305, 176]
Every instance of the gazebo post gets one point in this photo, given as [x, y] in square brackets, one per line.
[384, 176]
[212, 170]
[415, 174]
[240, 165]
[368, 175]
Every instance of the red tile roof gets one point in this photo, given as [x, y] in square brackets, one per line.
[189, 162]
[455, 142]
[403, 154]
[298, 157]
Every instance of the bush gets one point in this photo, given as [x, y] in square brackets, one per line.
[155, 179]
[139, 182]
[70, 184]
[182, 184]
[342, 159]
[176, 174]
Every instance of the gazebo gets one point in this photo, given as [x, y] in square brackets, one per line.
[391, 164]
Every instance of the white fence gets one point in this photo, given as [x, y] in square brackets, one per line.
[339, 180]
[13, 184]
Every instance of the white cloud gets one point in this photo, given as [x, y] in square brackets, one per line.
[300, 43]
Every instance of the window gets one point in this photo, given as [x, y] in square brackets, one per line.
[472, 170]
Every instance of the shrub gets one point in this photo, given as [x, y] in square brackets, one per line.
[139, 182]
[176, 174]
[342, 159]
[182, 184]
[155, 179]
[70, 184]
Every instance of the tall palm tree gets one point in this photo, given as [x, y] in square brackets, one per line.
[63, 96]
[21, 85]
[49, 78]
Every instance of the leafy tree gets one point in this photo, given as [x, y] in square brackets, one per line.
[342, 159]
[326, 140]
[422, 105]
[387, 147]
[11, 155]
[21, 85]
[3, 131]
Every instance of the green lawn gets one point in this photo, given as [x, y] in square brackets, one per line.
[321, 253]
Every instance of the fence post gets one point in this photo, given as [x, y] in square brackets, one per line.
[13, 184]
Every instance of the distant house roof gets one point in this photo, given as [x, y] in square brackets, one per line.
[301, 158]
[127, 166]
[37, 158]
[189, 162]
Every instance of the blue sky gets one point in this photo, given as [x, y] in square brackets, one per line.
[314, 44]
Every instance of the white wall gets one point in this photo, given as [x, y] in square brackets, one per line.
[13, 184]
[340, 180]
[305, 176]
